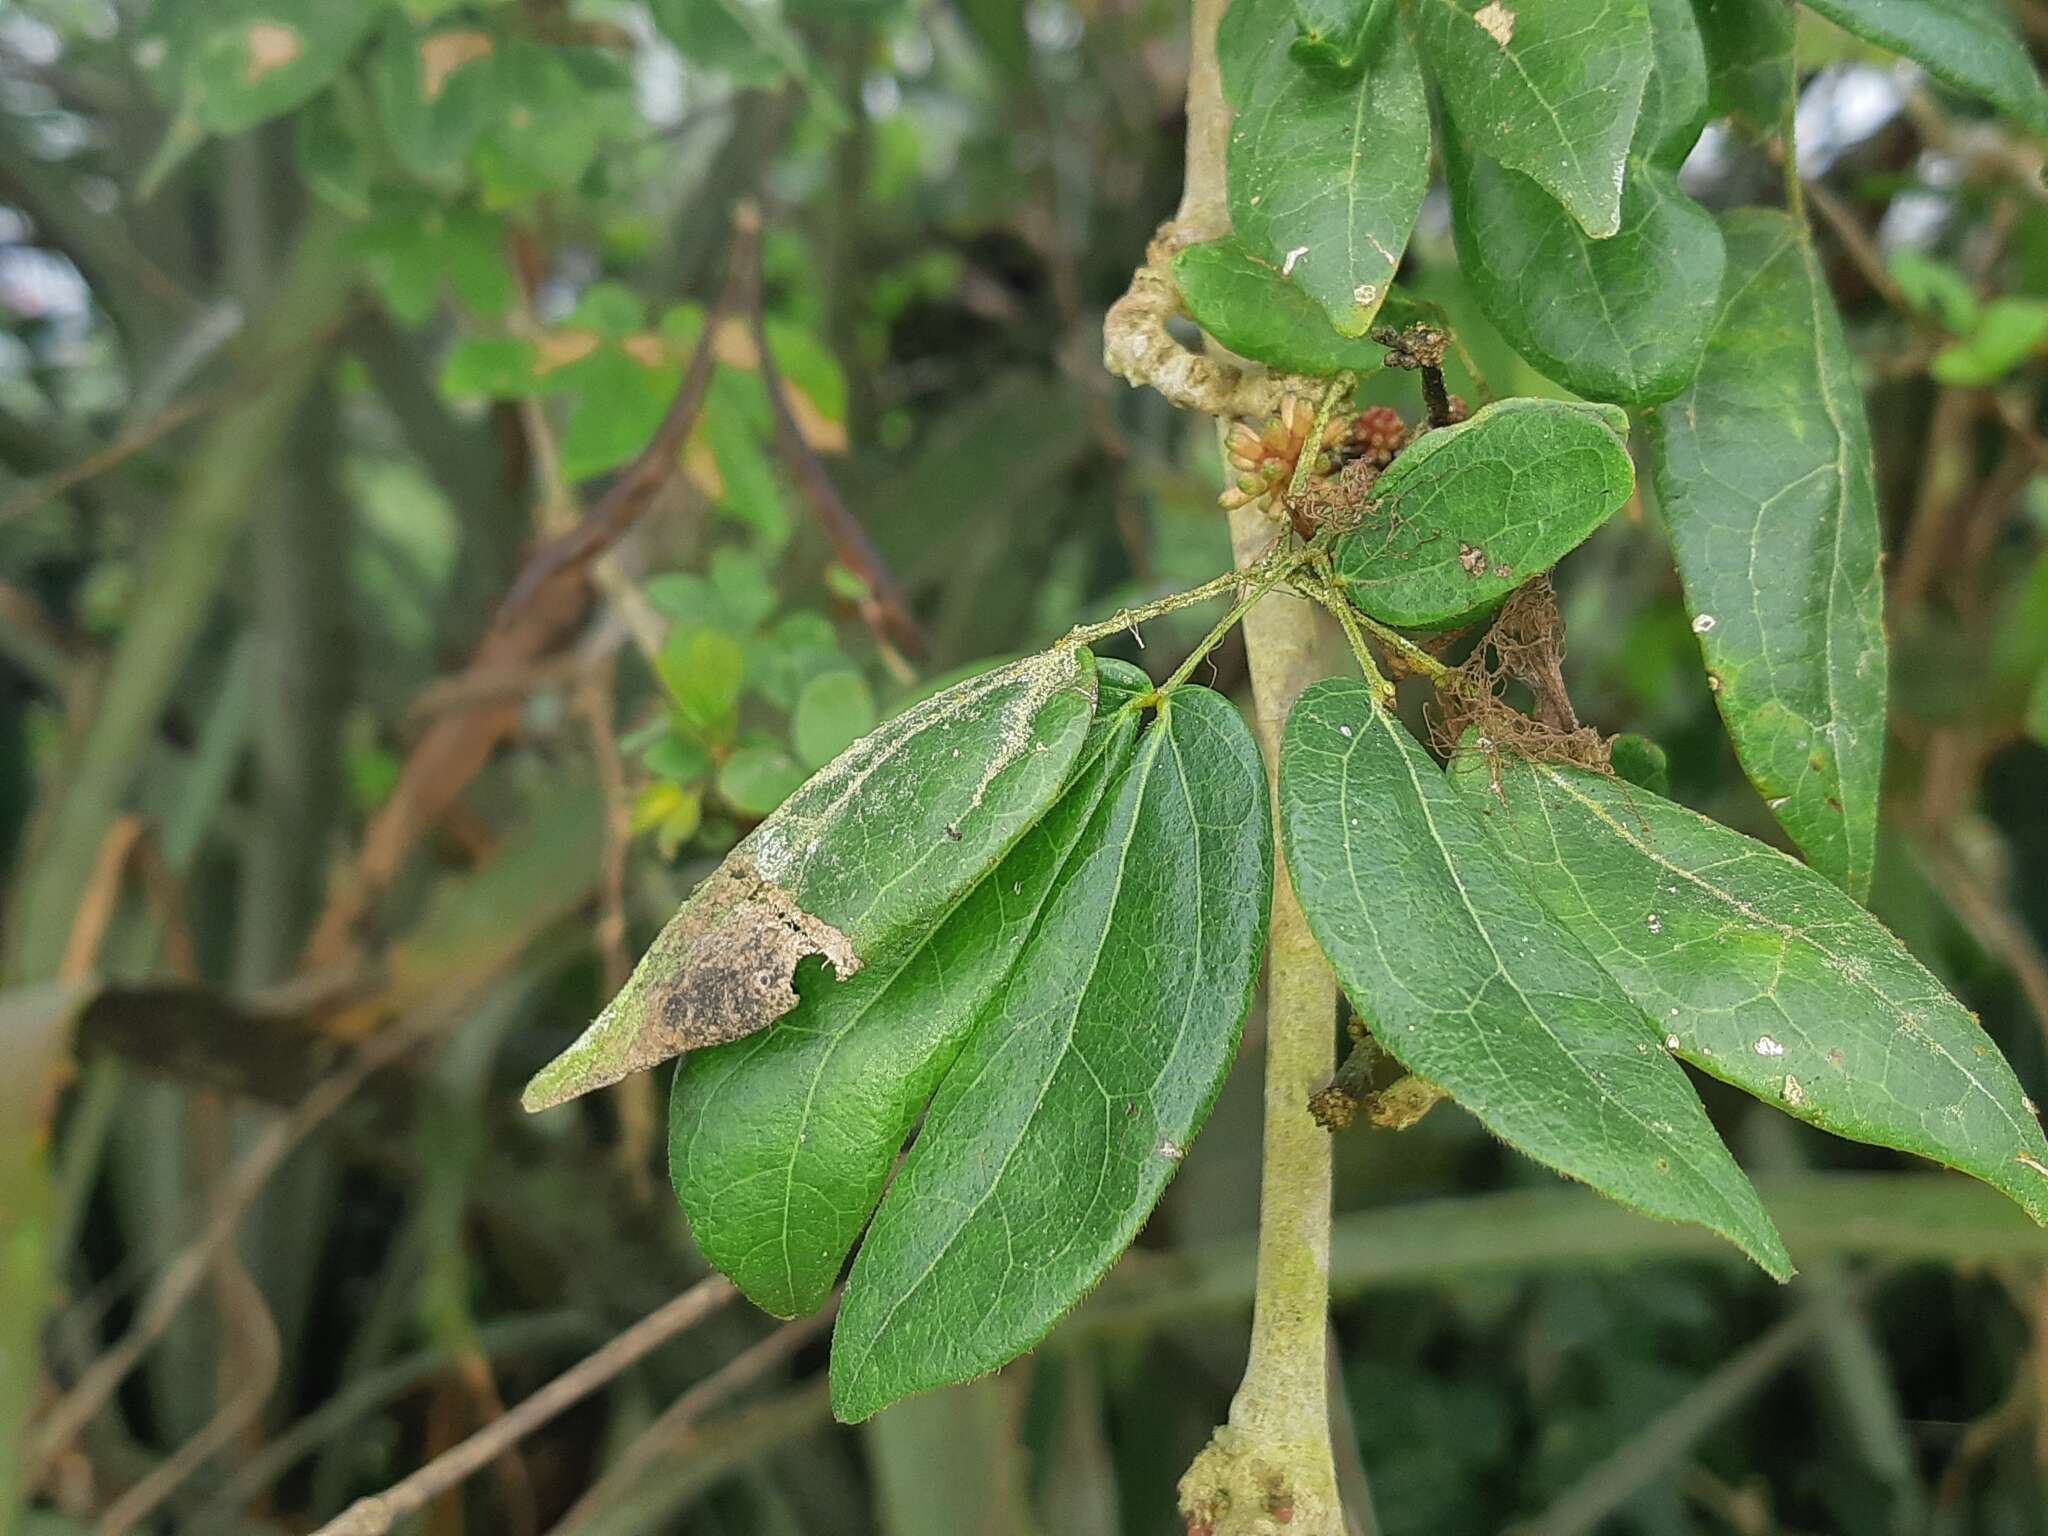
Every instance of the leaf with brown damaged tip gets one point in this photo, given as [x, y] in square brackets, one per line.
[862, 859]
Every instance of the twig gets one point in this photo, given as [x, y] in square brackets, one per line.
[1667, 1437]
[259, 1369]
[884, 610]
[367, 1394]
[545, 605]
[182, 1277]
[377, 1514]
[670, 1435]
[1270, 1468]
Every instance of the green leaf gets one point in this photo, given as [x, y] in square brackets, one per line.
[492, 367]
[1085, 1078]
[550, 124]
[1935, 288]
[1640, 761]
[1469, 982]
[336, 156]
[1763, 473]
[834, 710]
[1972, 44]
[780, 1144]
[1326, 176]
[619, 403]
[706, 32]
[1248, 306]
[1750, 60]
[1625, 318]
[247, 61]
[2008, 332]
[678, 758]
[756, 779]
[860, 860]
[702, 670]
[1762, 972]
[437, 92]
[1470, 512]
[1335, 34]
[1550, 88]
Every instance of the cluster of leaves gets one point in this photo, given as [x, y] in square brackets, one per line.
[1044, 894]
[1052, 971]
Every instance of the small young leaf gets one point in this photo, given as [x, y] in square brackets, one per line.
[436, 91]
[1750, 65]
[1470, 512]
[1084, 1079]
[1248, 306]
[1550, 88]
[1326, 175]
[2008, 331]
[1763, 473]
[1971, 44]
[1468, 981]
[756, 779]
[1762, 972]
[702, 670]
[858, 861]
[781, 1144]
[1335, 34]
[247, 61]
[834, 710]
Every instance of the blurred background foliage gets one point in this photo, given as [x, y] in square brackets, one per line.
[369, 694]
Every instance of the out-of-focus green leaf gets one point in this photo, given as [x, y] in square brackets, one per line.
[707, 32]
[2008, 331]
[1974, 45]
[1762, 972]
[703, 670]
[437, 91]
[336, 155]
[1248, 306]
[858, 862]
[834, 710]
[1763, 473]
[678, 758]
[1550, 89]
[1465, 977]
[756, 779]
[1325, 175]
[1640, 761]
[1935, 289]
[619, 403]
[1084, 1079]
[490, 367]
[237, 63]
[1470, 512]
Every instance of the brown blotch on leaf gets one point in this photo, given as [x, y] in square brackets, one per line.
[446, 52]
[721, 970]
[270, 46]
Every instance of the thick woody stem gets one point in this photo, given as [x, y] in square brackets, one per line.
[1269, 1470]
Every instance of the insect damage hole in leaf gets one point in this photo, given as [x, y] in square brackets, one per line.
[858, 860]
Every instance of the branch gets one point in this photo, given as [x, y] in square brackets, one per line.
[376, 1515]
[884, 611]
[1270, 1469]
[543, 609]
